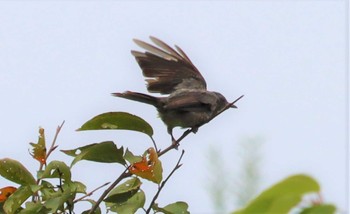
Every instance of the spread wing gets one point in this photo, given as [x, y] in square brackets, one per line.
[167, 69]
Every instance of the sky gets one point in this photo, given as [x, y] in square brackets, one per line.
[60, 60]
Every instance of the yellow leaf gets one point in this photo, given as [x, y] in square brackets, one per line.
[39, 149]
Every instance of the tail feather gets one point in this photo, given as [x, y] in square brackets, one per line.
[143, 98]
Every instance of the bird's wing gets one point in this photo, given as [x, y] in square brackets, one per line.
[190, 101]
[167, 69]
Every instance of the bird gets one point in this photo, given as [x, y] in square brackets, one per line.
[170, 72]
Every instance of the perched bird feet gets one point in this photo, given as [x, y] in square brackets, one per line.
[174, 142]
[194, 129]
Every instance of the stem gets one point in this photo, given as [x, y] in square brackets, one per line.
[90, 193]
[154, 144]
[227, 107]
[125, 174]
[176, 144]
[53, 147]
[177, 166]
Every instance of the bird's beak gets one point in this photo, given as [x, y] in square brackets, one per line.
[232, 105]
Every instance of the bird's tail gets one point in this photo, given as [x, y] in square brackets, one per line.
[143, 98]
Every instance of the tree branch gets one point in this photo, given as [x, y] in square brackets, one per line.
[176, 144]
[53, 146]
[177, 166]
[125, 174]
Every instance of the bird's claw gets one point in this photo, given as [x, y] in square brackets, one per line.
[174, 142]
[194, 130]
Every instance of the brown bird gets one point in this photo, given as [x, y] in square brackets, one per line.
[169, 71]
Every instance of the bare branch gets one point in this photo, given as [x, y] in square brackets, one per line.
[53, 147]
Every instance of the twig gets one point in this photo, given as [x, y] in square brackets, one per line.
[227, 107]
[176, 144]
[154, 144]
[177, 166]
[125, 174]
[53, 147]
[90, 193]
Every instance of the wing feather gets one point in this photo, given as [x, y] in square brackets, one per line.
[166, 69]
[154, 50]
[166, 47]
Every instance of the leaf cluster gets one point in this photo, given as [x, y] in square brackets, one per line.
[52, 189]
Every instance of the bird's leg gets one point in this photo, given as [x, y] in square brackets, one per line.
[194, 129]
[188, 131]
[176, 143]
[173, 141]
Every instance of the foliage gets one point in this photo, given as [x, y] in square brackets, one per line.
[285, 196]
[52, 190]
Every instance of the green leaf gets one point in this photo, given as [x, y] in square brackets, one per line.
[48, 190]
[131, 158]
[105, 152]
[174, 208]
[158, 172]
[14, 202]
[124, 191]
[15, 171]
[57, 203]
[320, 209]
[1, 207]
[134, 203]
[76, 186]
[118, 120]
[55, 198]
[34, 207]
[56, 169]
[97, 211]
[281, 197]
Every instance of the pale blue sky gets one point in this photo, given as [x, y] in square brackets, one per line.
[61, 60]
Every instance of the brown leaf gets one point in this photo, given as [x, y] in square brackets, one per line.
[149, 167]
[6, 192]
